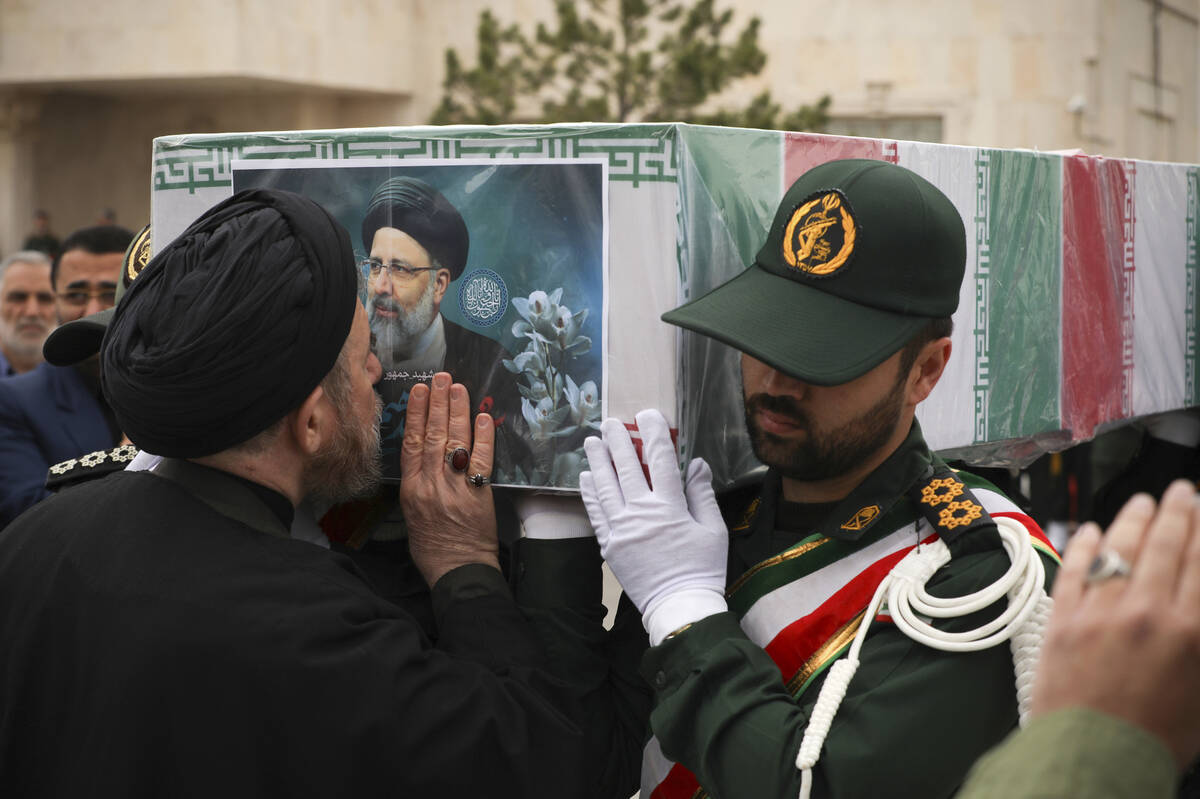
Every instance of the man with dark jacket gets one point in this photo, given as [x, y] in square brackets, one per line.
[164, 636]
[57, 413]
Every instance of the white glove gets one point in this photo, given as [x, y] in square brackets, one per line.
[666, 545]
[549, 516]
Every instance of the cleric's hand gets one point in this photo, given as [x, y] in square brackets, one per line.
[665, 544]
[451, 522]
[1129, 645]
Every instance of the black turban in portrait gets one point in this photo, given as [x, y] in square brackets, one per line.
[231, 326]
[420, 210]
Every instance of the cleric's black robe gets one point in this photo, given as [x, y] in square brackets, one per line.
[161, 636]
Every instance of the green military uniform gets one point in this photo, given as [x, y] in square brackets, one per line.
[914, 718]
[913, 721]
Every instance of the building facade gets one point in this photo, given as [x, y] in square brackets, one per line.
[83, 92]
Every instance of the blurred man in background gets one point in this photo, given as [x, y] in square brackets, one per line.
[41, 239]
[27, 313]
[55, 413]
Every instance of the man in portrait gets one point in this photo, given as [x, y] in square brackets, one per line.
[417, 244]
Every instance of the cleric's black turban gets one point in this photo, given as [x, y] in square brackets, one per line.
[420, 210]
[231, 326]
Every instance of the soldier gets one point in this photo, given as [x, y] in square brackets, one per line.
[843, 322]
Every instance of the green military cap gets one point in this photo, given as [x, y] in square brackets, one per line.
[860, 256]
[80, 339]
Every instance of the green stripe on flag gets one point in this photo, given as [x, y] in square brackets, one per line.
[740, 173]
[1024, 237]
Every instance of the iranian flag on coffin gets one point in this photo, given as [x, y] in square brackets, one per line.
[1077, 308]
[1078, 305]
[1129, 290]
[1002, 382]
[1002, 387]
[1156, 289]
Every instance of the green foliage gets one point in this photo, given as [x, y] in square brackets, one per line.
[616, 61]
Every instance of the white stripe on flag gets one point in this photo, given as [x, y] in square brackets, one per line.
[1160, 287]
[948, 416]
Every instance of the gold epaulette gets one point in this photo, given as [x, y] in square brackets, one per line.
[946, 502]
[89, 466]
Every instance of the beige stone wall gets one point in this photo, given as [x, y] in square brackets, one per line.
[103, 83]
[86, 90]
[453, 23]
[74, 184]
[1002, 73]
[359, 44]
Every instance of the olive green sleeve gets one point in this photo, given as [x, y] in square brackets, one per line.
[1073, 753]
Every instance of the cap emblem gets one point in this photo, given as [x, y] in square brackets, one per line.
[820, 235]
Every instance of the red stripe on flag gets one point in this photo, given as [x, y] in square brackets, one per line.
[803, 151]
[795, 644]
[1094, 191]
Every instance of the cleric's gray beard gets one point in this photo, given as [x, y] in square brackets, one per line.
[396, 338]
[351, 466]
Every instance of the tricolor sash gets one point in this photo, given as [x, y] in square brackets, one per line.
[804, 605]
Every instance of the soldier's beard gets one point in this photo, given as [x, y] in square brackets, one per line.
[396, 338]
[823, 454]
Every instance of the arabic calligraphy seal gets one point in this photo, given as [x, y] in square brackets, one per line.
[483, 297]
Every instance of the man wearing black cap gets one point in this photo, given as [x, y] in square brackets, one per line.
[164, 635]
[843, 322]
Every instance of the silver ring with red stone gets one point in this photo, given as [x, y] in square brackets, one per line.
[478, 480]
[459, 458]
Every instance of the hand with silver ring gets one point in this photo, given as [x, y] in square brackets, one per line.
[1130, 648]
[451, 521]
[1106, 565]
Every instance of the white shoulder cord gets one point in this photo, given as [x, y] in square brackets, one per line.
[1022, 623]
